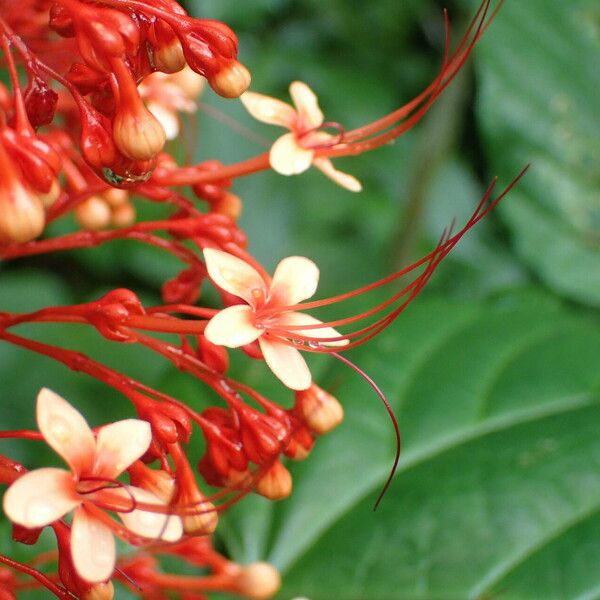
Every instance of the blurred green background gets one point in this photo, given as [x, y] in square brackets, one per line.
[494, 371]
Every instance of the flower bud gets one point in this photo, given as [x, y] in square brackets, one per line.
[200, 516]
[137, 133]
[231, 81]
[158, 482]
[22, 216]
[51, 197]
[115, 197]
[229, 205]
[258, 581]
[169, 57]
[276, 483]
[93, 213]
[123, 215]
[320, 411]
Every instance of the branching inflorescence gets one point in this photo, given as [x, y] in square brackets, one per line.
[96, 88]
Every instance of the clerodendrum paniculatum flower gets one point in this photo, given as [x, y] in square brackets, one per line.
[268, 312]
[296, 151]
[45, 495]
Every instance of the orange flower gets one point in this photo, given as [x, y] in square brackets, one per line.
[295, 152]
[40, 497]
[267, 316]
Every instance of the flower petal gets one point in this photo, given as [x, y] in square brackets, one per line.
[65, 430]
[307, 105]
[343, 179]
[268, 110]
[92, 547]
[235, 275]
[298, 319]
[167, 118]
[287, 157]
[286, 363]
[40, 497]
[153, 525]
[295, 279]
[120, 444]
[232, 327]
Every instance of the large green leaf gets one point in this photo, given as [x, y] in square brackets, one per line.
[538, 104]
[500, 410]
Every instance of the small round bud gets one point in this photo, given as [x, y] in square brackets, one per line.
[276, 483]
[320, 411]
[22, 215]
[123, 215]
[229, 205]
[201, 517]
[93, 213]
[258, 581]
[138, 134]
[231, 81]
[115, 197]
[99, 591]
[169, 57]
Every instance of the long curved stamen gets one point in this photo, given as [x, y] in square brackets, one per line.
[392, 416]
[434, 258]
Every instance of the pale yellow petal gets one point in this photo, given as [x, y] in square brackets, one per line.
[92, 547]
[268, 110]
[307, 105]
[148, 524]
[287, 157]
[235, 276]
[40, 497]
[232, 327]
[343, 179]
[287, 364]
[297, 319]
[295, 279]
[120, 444]
[65, 430]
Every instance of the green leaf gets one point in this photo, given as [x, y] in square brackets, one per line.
[538, 104]
[499, 406]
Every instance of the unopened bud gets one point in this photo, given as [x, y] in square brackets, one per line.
[115, 197]
[200, 516]
[229, 205]
[169, 57]
[320, 411]
[99, 591]
[22, 215]
[123, 215]
[93, 213]
[258, 581]
[138, 134]
[276, 483]
[231, 81]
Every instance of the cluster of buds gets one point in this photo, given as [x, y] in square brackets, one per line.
[86, 135]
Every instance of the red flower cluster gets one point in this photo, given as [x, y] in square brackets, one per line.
[95, 91]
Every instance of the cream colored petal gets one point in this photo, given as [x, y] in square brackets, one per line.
[287, 157]
[269, 110]
[167, 118]
[65, 430]
[299, 319]
[307, 105]
[344, 179]
[232, 327]
[152, 525]
[40, 497]
[92, 547]
[120, 444]
[286, 363]
[295, 279]
[235, 275]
